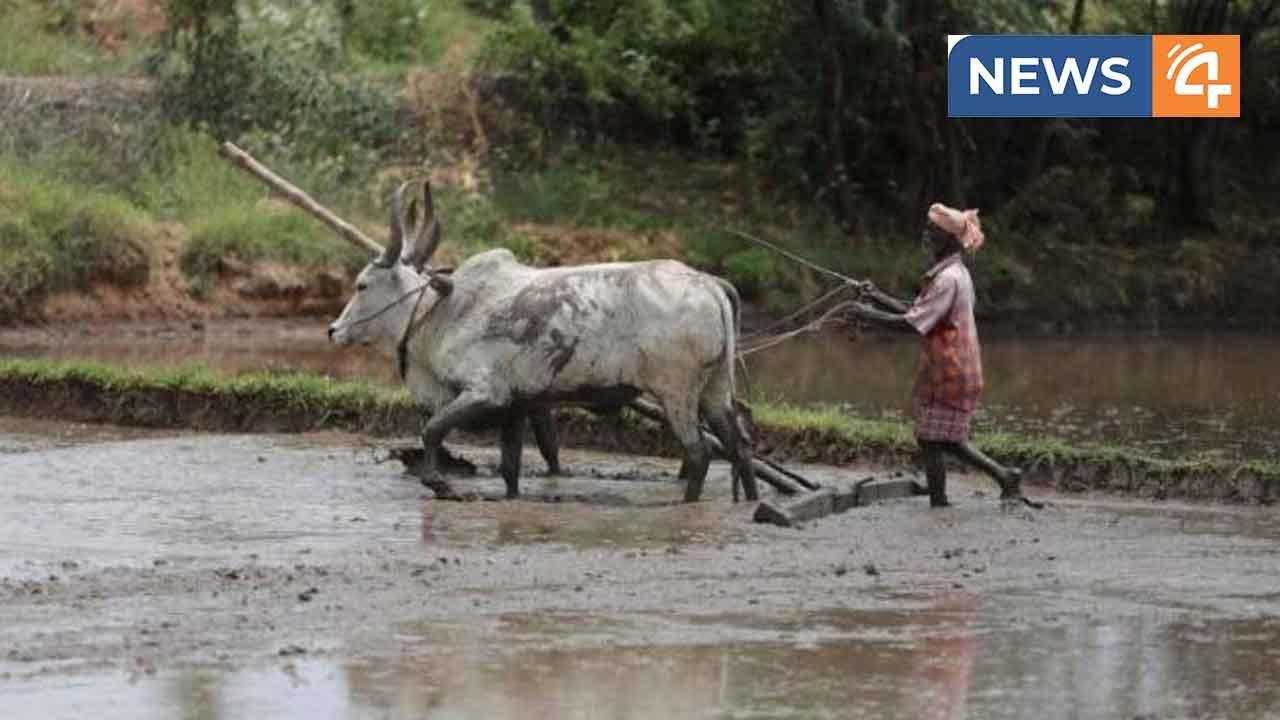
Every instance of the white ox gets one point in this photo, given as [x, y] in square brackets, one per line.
[497, 340]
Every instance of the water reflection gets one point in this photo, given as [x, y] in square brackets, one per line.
[955, 660]
[943, 663]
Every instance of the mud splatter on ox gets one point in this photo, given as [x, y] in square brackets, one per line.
[497, 338]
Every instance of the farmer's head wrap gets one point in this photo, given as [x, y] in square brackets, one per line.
[963, 225]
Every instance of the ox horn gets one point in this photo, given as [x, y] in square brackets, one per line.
[427, 233]
[395, 246]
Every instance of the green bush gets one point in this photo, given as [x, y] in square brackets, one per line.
[571, 193]
[185, 173]
[492, 8]
[26, 263]
[472, 223]
[390, 30]
[708, 248]
[750, 270]
[231, 81]
[44, 38]
[56, 235]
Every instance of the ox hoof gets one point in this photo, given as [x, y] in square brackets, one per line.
[434, 481]
[454, 464]
[447, 494]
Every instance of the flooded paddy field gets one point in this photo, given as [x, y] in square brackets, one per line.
[1170, 395]
[163, 574]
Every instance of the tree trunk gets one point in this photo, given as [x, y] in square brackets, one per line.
[831, 89]
[1047, 127]
[1190, 176]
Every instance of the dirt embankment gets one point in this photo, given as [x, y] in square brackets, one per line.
[56, 268]
[270, 409]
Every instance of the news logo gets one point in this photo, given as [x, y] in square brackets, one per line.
[1093, 75]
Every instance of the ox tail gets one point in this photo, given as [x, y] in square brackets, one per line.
[734, 325]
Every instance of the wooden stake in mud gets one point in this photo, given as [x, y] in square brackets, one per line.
[299, 198]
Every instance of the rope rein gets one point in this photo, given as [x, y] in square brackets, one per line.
[388, 306]
[410, 328]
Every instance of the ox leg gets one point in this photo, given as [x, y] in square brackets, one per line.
[464, 409]
[512, 444]
[684, 425]
[724, 424]
[544, 433]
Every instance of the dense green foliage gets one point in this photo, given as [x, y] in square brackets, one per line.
[278, 76]
[845, 99]
[580, 130]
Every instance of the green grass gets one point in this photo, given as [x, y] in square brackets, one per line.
[32, 44]
[858, 431]
[59, 235]
[65, 222]
[300, 390]
[257, 234]
[229, 215]
[185, 174]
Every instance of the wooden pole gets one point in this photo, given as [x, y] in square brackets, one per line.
[300, 199]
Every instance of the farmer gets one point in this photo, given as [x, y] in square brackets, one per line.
[949, 378]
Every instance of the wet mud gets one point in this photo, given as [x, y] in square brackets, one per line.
[178, 574]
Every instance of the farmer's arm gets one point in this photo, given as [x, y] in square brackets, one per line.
[922, 316]
[887, 301]
[933, 305]
[893, 321]
[868, 290]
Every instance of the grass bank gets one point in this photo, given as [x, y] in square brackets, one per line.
[193, 397]
[56, 235]
[180, 218]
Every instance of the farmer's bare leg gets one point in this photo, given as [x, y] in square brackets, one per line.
[512, 443]
[1009, 479]
[544, 433]
[935, 472]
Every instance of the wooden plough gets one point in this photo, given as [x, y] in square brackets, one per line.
[802, 500]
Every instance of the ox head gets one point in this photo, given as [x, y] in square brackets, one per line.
[388, 289]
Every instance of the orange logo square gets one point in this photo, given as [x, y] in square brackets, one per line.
[1195, 76]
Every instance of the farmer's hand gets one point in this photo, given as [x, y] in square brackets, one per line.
[862, 287]
[861, 310]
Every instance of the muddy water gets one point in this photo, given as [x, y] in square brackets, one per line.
[164, 575]
[890, 667]
[1215, 393]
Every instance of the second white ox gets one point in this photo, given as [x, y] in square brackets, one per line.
[497, 340]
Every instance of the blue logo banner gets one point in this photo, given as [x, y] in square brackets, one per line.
[1049, 76]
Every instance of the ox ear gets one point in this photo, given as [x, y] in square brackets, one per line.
[427, 231]
[395, 245]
